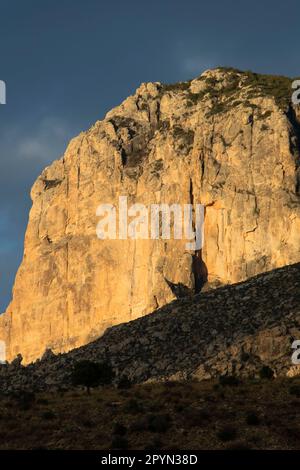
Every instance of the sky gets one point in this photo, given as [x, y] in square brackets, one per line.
[67, 62]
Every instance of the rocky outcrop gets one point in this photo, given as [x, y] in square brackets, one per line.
[228, 140]
[233, 330]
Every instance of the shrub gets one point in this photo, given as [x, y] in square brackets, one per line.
[292, 432]
[87, 422]
[139, 425]
[119, 429]
[179, 407]
[252, 419]
[239, 445]
[266, 373]
[170, 384]
[119, 442]
[295, 390]
[179, 86]
[185, 136]
[227, 433]
[91, 374]
[270, 85]
[124, 383]
[48, 415]
[133, 406]
[42, 401]
[245, 356]
[196, 417]
[25, 399]
[229, 380]
[156, 443]
[158, 423]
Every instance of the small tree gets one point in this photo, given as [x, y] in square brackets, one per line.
[266, 373]
[91, 374]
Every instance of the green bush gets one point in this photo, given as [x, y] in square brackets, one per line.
[266, 373]
[42, 401]
[227, 433]
[252, 419]
[245, 356]
[48, 414]
[158, 422]
[119, 442]
[295, 390]
[229, 380]
[119, 429]
[124, 383]
[196, 417]
[25, 399]
[239, 445]
[133, 406]
[156, 443]
[179, 86]
[91, 374]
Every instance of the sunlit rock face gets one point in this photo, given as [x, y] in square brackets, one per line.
[228, 140]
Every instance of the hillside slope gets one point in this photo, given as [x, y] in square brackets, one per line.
[233, 330]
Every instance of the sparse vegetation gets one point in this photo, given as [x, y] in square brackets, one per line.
[91, 374]
[119, 442]
[133, 406]
[256, 414]
[295, 390]
[48, 414]
[124, 382]
[252, 419]
[240, 87]
[266, 373]
[184, 137]
[275, 86]
[227, 433]
[229, 380]
[119, 429]
[24, 399]
[179, 86]
[158, 422]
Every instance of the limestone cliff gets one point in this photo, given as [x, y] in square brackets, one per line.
[228, 140]
[237, 329]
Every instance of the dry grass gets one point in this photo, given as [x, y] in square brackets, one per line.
[257, 415]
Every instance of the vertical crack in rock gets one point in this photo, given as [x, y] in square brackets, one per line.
[123, 157]
[294, 117]
[68, 288]
[202, 166]
[78, 174]
[132, 284]
[199, 268]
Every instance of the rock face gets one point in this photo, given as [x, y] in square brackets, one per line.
[233, 330]
[228, 140]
